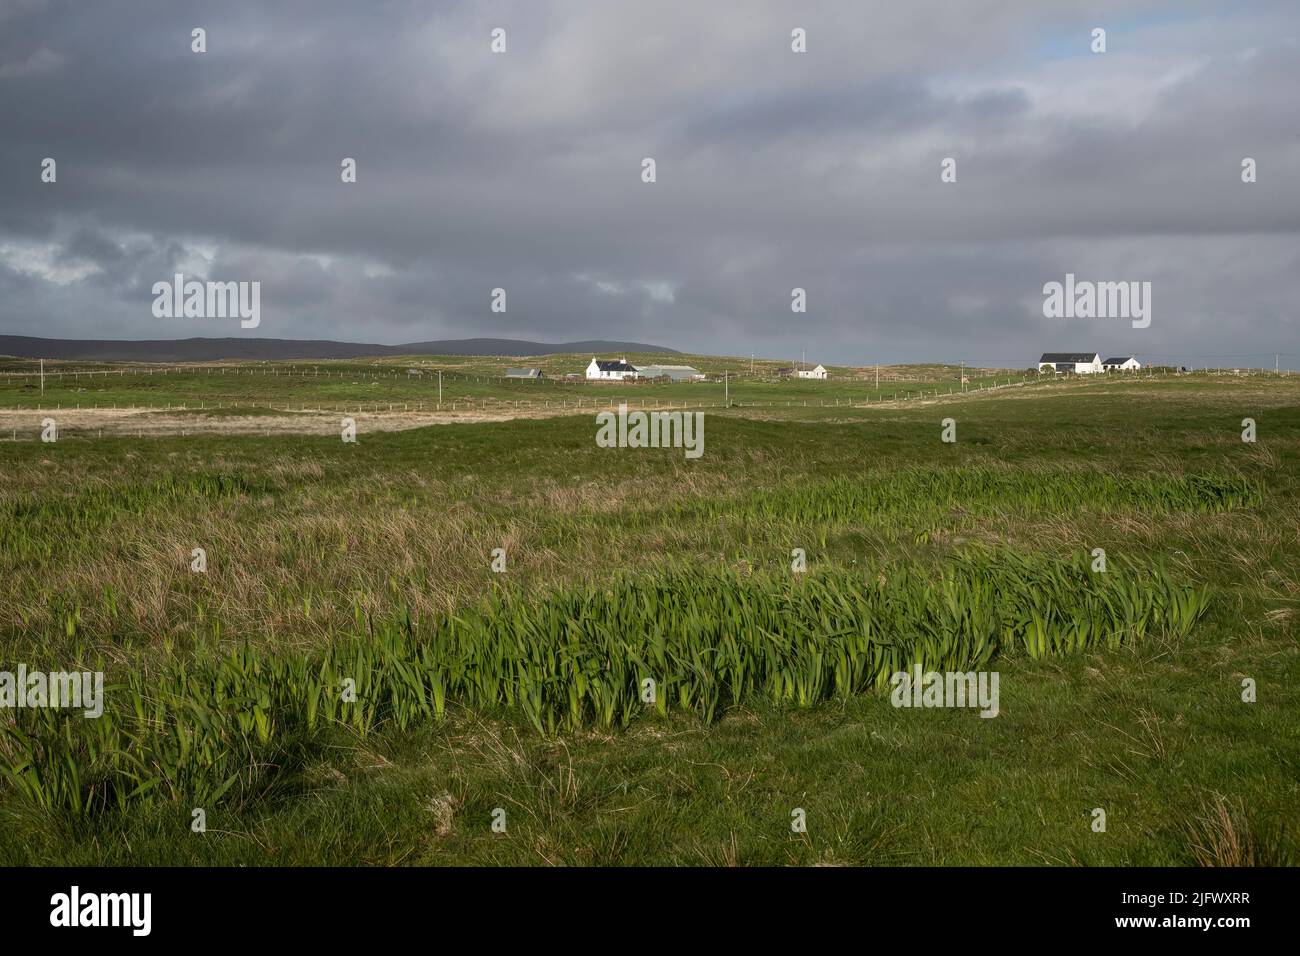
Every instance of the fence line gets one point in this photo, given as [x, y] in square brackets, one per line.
[640, 403]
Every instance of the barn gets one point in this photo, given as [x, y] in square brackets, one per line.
[676, 373]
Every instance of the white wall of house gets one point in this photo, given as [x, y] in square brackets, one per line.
[818, 372]
[594, 371]
[1080, 368]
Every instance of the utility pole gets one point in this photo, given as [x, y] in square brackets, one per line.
[751, 364]
[963, 375]
[877, 375]
[439, 386]
[726, 389]
[1276, 369]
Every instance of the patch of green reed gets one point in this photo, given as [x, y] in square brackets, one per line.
[929, 492]
[35, 527]
[235, 726]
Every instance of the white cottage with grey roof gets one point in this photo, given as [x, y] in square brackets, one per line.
[601, 370]
[1080, 363]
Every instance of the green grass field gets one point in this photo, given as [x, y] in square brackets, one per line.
[465, 379]
[478, 692]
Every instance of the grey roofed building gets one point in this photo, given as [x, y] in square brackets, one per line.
[1077, 363]
[524, 373]
[1054, 358]
[678, 373]
[610, 370]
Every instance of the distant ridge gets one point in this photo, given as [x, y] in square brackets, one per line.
[208, 350]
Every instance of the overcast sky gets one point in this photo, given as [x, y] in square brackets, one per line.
[775, 170]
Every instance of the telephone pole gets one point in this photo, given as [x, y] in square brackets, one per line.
[1276, 367]
[726, 389]
[439, 386]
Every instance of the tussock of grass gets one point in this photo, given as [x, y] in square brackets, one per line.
[1223, 835]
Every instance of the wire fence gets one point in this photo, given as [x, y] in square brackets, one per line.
[511, 408]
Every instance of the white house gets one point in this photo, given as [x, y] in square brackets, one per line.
[1121, 363]
[1080, 363]
[610, 371]
[677, 373]
[818, 372]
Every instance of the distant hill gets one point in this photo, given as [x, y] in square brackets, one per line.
[207, 350]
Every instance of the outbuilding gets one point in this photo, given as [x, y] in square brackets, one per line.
[676, 373]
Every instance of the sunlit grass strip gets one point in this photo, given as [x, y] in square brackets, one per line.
[929, 492]
[233, 725]
[34, 527]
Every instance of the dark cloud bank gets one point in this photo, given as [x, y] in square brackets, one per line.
[775, 170]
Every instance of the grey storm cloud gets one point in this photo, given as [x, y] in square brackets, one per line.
[775, 170]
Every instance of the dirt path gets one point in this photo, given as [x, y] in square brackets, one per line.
[26, 424]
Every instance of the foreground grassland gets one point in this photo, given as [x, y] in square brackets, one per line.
[483, 690]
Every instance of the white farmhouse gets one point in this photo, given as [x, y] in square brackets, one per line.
[818, 372]
[1080, 363]
[1121, 363]
[610, 371]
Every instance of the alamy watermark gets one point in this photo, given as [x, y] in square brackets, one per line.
[1098, 300]
[208, 300]
[651, 430]
[130, 910]
[948, 689]
[75, 690]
